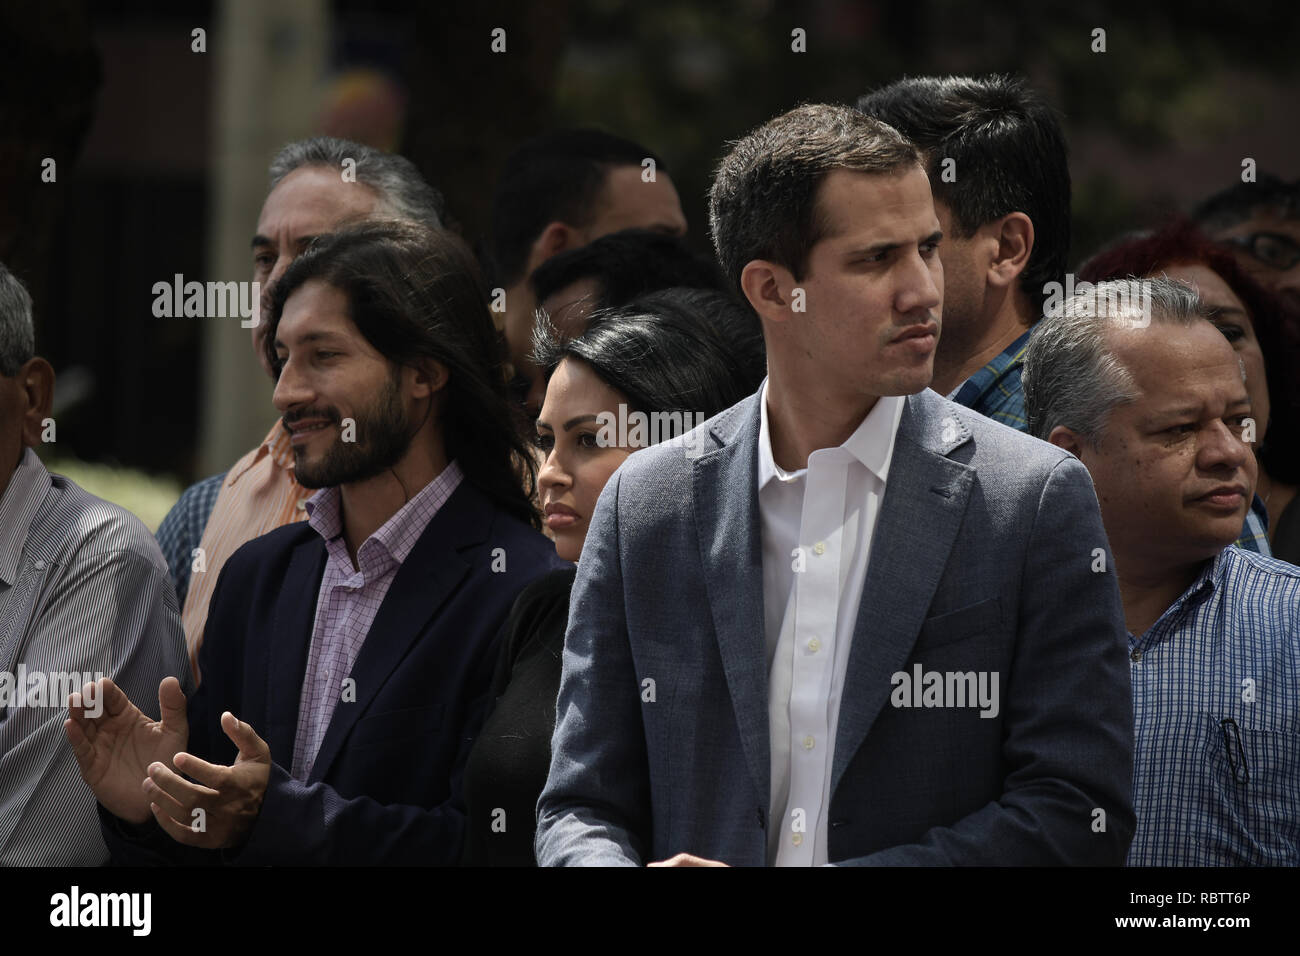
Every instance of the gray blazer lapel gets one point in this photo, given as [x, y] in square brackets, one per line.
[725, 489]
[925, 499]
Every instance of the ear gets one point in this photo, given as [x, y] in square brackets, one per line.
[1067, 439]
[1015, 234]
[36, 381]
[555, 238]
[769, 288]
[427, 378]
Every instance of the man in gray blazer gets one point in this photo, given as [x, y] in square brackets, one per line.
[844, 621]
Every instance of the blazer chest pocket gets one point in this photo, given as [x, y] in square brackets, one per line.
[982, 617]
[397, 725]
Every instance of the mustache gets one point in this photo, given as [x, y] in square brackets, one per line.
[330, 414]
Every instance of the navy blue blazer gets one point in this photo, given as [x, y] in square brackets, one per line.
[386, 784]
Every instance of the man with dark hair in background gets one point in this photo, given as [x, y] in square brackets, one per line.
[360, 643]
[1260, 221]
[308, 196]
[998, 167]
[558, 191]
[615, 269]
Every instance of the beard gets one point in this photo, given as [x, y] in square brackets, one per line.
[383, 434]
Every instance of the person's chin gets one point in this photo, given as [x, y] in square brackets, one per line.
[568, 543]
[316, 473]
[1211, 537]
[309, 479]
[910, 382]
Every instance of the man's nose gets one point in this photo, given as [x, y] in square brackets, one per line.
[920, 289]
[1223, 448]
[291, 388]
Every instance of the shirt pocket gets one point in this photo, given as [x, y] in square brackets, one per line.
[1256, 775]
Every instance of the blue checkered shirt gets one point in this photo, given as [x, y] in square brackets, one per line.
[182, 530]
[994, 391]
[1216, 702]
[1254, 534]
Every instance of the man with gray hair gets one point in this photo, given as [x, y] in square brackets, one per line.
[83, 593]
[1150, 396]
[316, 186]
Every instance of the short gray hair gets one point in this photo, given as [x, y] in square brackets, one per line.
[403, 192]
[1070, 376]
[17, 334]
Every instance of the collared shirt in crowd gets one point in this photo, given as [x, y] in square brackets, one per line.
[349, 598]
[182, 529]
[84, 593]
[259, 494]
[1216, 700]
[819, 519]
[994, 391]
[1254, 534]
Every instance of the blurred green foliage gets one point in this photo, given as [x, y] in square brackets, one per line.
[686, 77]
[148, 497]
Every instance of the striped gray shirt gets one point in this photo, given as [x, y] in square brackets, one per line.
[84, 592]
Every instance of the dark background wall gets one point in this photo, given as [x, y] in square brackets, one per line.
[112, 90]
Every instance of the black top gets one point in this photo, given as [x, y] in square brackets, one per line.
[507, 767]
[1286, 537]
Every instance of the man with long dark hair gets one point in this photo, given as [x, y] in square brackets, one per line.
[421, 535]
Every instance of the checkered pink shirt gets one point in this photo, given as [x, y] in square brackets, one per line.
[349, 600]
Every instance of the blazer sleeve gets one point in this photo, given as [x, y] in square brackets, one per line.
[595, 808]
[311, 824]
[1069, 740]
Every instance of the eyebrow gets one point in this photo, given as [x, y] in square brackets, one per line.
[261, 240]
[1183, 411]
[570, 424]
[886, 247]
[311, 337]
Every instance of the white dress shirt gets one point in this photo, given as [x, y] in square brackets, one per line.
[819, 519]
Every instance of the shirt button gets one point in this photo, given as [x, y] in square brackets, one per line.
[820, 547]
[814, 645]
[39, 565]
[1135, 656]
[797, 839]
[808, 742]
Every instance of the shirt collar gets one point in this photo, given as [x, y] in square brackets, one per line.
[18, 506]
[276, 444]
[872, 442]
[325, 516]
[1209, 578]
[969, 391]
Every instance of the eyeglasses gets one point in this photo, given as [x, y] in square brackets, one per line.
[1272, 249]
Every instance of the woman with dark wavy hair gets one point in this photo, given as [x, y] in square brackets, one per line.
[1266, 336]
[639, 374]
